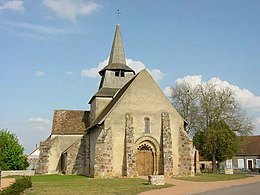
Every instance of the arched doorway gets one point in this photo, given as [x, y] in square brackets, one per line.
[145, 159]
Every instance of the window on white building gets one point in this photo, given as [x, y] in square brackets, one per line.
[240, 163]
[257, 163]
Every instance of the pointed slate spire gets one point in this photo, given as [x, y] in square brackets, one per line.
[117, 56]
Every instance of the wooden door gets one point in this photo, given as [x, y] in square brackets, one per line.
[145, 162]
[250, 165]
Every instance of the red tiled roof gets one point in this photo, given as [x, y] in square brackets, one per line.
[250, 145]
[70, 122]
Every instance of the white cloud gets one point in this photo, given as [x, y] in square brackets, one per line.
[39, 73]
[156, 74]
[15, 5]
[135, 65]
[70, 9]
[256, 122]
[167, 91]
[193, 80]
[93, 72]
[247, 99]
[37, 28]
[39, 120]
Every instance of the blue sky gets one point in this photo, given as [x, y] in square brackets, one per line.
[50, 51]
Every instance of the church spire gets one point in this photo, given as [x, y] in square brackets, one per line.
[117, 56]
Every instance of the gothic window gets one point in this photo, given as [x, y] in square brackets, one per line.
[147, 125]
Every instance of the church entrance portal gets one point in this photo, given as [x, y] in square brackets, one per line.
[145, 160]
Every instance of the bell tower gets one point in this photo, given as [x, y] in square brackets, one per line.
[113, 76]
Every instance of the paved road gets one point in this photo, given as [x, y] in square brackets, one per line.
[248, 189]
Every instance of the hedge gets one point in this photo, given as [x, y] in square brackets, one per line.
[20, 185]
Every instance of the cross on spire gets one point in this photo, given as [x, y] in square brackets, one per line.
[118, 15]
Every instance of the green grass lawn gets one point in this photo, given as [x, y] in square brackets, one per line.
[210, 177]
[73, 184]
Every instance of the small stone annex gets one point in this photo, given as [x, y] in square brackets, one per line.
[131, 129]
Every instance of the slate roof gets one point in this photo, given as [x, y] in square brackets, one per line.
[106, 92]
[250, 145]
[117, 56]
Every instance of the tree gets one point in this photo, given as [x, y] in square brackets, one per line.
[11, 152]
[207, 108]
[207, 103]
[217, 142]
[185, 100]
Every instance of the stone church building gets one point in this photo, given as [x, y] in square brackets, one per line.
[131, 129]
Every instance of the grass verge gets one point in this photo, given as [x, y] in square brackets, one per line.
[72, 184]
[211, 177]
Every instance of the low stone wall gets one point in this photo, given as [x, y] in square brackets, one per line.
[18, 173]
[228, 171]
[156, 180]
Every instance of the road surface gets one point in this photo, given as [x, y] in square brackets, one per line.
[247, 189]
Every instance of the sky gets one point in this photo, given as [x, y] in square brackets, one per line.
[51, 51]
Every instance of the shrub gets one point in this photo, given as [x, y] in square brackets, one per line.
[20, 185]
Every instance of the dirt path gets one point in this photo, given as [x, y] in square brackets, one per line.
[5, 182]
[187, 187]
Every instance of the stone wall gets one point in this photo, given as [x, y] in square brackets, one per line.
[103, 166]
[186, 155]
[166, 139]
[68, 122]
[42, 166]
[87, 153]
[76, 157]
[18, 173]
[130, 160]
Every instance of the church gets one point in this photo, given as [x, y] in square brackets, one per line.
[131, 129]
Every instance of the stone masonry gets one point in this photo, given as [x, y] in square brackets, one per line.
[167, 145]
[130, 160]
[186, 160]
[156, 180]
[43, 162]
[76, 157]
[87, 150]
[103, 152]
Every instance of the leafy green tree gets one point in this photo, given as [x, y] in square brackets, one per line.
[217, 142]
[11, 152]
[212, 113]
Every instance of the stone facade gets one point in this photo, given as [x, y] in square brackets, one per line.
[76, 158]
[116, 143]
[43, 162]
[87, 153]
[130, 161]
[186, 155]
[103, 152]
[167, 145]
